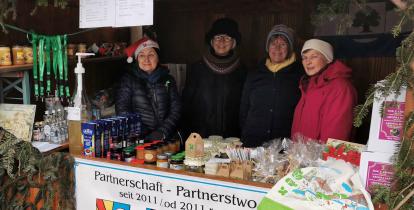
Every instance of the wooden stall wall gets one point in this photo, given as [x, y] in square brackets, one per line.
[181, 26]
[101, 73]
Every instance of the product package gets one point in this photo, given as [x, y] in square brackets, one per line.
[387, 122]
[376, 169]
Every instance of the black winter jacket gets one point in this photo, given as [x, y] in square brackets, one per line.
[211, 101]
[154, 97]
[268, 103]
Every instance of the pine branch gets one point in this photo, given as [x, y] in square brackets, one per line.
[409, 195]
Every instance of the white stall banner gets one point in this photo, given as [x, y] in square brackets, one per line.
[106, 186]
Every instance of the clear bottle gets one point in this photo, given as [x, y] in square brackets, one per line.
[54, 129]
[80, 102]
[47, 126]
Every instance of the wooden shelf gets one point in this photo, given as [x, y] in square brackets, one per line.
[97, 59]
[13, 68]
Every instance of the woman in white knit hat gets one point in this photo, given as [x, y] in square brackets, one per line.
[325, 109]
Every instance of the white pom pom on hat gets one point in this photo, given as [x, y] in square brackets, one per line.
[323, 47]
[135, 48]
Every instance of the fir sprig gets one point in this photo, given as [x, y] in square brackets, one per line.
[23, 167]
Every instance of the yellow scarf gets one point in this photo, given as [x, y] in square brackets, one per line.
[277, 66]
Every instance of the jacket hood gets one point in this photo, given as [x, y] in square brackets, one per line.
[334, 70]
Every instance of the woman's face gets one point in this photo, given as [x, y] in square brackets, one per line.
[313, 61]
[278, 50]
[222, 44]
[148, 60]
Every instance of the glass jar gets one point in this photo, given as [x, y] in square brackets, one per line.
[150, 155]
[71, 49]
[128, 154]
[140, 152]
[162, 161]
[177, 163]
[28, 55]
[5, 56]
[18, 55]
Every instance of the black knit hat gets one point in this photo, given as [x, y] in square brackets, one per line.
[224, 26]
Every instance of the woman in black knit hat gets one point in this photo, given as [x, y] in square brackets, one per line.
[211, 96]
[271, 92]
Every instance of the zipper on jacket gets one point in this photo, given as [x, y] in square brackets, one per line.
[155, 103]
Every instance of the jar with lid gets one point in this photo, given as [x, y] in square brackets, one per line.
[150, 155]
[71, 49]
[140, 152]
[18, 55]
[28, 55]
[177, 163]
[162, 161]
[5, 57]
[128, 154]
[82, 48]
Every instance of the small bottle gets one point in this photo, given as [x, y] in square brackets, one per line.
[47, 126]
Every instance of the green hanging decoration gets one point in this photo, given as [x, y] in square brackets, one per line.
[65, 67]
[35, 75]
[52, 55]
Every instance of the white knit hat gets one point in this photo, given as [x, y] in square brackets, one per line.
[321, 46]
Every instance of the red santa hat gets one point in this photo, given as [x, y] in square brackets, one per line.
[138, 46]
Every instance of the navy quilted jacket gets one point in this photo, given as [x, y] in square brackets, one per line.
[154, 97]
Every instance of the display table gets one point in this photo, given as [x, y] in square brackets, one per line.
[106, 185]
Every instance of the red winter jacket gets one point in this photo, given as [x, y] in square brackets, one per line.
[325, 109]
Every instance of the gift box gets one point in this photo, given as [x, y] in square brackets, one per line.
[387, 122]
[376, 169]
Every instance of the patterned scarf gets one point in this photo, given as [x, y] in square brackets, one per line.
[222, 65]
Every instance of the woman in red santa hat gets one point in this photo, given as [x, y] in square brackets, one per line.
[149, 90]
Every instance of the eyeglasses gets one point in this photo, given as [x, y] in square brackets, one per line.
[222, 38]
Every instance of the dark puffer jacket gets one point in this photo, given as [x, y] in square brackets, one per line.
[154, 97]
[268, 103]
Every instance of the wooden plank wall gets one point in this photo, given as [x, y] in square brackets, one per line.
[181, 26]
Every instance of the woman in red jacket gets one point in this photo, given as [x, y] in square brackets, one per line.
[325, 109]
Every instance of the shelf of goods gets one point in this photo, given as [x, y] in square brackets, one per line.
[106, 182]
[16, 77]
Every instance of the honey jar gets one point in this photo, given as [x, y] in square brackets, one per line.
[71, 49]
[5, 58]
[82, 48]
[150, 155]
[140, 152]
[28, 55]
[162, 161]
[18, 55]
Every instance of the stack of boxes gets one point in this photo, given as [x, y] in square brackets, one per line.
[108, 138]
[387, 125]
